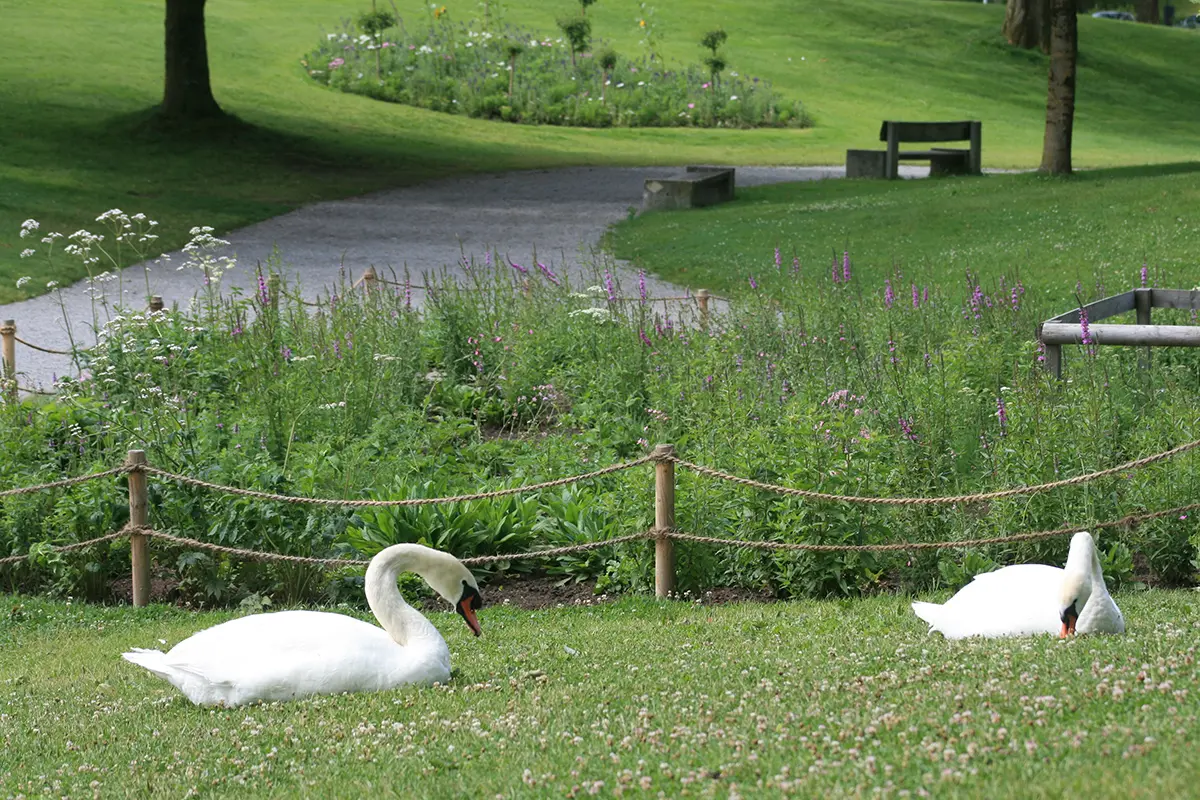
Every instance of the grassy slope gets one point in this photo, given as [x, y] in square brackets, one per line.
[1097, 227]
[844, 696]
[76, 79]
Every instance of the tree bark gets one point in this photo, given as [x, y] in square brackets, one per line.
[1027, 24]
[187, 93]
[1147, 11]
[1060, 98]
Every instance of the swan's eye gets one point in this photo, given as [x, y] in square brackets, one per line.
[472, 594]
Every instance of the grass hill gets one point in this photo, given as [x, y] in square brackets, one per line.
[77, 80]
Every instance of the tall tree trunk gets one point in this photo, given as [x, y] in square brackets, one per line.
[1027, 24]
[1060, 99]
[1147, 11]
[187, 93]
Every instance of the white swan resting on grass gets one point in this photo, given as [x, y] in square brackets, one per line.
[1027, 599]
[290, 654]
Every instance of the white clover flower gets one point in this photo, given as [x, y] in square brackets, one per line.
[52, 285]
[733, 97]
[22, 281]
[339, 404]
[26, 253]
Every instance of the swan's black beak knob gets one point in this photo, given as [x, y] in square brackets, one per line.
[1069, 617]
[467, 605]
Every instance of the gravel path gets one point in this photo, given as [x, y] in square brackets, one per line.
[562, 213]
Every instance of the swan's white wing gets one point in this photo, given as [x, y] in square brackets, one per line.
[1014, 601]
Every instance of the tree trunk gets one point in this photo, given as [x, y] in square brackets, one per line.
[187, 93]
[1027, 24]
[1147, 11]
[1060, 99]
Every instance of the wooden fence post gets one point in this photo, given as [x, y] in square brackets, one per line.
[138, 545]
[1052, 355]
[1141, 305]
[702, 298]
[156, 303]
[664, 520]
[369, 279]
[8, 354]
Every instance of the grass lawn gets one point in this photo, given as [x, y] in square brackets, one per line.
[77, 80]
[1096, 228]
[651, 699]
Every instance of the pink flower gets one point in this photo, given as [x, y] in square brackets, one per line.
[691, 105]
[705, 86]
[337, 62]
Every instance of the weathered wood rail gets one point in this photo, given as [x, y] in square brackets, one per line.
[1067, 328]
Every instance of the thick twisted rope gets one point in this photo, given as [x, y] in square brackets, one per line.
[929, 501]
[63, 548]
[65, 482]
[1127, 521]
[49, 350]
[415, 501]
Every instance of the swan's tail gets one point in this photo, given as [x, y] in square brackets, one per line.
[931, 613]
[153, 660]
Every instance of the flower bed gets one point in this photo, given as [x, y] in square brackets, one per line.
[518, 75]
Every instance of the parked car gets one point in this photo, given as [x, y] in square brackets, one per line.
[1122, 15]
[1189, 22]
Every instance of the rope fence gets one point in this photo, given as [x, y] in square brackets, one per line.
[663, 534]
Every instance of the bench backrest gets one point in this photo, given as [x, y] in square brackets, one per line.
[927, 131]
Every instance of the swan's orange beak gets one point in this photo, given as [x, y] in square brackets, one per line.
[468, 613]
[1068, 628]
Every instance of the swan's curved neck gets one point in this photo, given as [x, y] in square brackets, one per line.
[402, 622]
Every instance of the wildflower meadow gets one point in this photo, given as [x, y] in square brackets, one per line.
[813, 377]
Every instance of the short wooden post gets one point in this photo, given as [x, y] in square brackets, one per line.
[1142, 299]
[369, 279]
[138, 542]
[273, 291]
[1052, 355]
[156, 303]
[664, 520]
[8, 354]
[702, 298]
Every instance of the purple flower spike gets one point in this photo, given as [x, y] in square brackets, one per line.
[1085, 329]
[642, 285]
[609, 288]
[518, 267]
[1002, 415]
[889, 296]
[753, 283]
[795, 265]
[549, 273]
[845, 266]
[778, 259]
[1145, 274]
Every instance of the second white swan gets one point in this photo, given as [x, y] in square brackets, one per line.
[1027, 599]
[290, 654]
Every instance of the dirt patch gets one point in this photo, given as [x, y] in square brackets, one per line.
[537, 593]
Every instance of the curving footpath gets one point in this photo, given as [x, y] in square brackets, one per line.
[561, 213]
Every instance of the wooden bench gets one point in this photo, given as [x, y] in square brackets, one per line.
[942, 160]
[696, 187]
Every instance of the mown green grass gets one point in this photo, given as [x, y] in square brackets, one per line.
[758, 700]
[77, 79]
[1096, 228]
